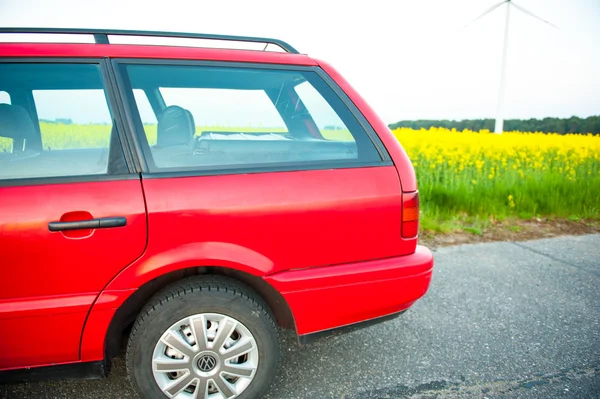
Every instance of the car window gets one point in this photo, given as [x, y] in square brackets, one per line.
[65, 131]
[231, 118]
[5, 142]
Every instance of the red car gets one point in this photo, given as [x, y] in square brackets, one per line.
[188, 201]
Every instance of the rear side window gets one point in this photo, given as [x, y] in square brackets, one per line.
[58, 123]
[216, 118]
[5, 142]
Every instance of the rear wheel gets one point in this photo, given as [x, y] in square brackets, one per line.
[204, 337]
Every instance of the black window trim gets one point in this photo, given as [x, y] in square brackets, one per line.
[131, 172]
[50, 180]
[280, 167]
[145, 157]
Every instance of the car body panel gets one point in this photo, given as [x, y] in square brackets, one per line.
[155, 52]
[96, 326]
[305, 219]
[50, 278]
[323, 298]
[23, 345]
[280, 220]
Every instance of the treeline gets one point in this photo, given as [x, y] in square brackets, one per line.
[64, 121]
[573, 124]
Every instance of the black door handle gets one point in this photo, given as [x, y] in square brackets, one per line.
[101, 223]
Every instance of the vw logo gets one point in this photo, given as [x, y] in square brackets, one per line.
[207, 363]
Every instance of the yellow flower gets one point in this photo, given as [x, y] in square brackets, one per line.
[511, 201]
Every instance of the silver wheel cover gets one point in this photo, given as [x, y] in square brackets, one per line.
[205, 356]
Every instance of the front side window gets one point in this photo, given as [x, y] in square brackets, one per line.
[58, 122]
[82, 121]
[231, 118]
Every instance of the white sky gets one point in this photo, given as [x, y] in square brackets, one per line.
[411, 59]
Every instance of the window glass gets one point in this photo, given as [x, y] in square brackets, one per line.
[248, 111]
[4, 97]
[71, 134]
[5, 142]
[230, 118]
[328, 122]
[73, 119]
[146, 114]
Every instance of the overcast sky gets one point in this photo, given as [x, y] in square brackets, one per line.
[411, 59]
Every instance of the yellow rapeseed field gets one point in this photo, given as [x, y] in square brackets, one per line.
[520, 173]
[483, 153]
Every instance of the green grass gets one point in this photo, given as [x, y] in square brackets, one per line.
[473, 230]
[542, 194]
[516, 228]
[452, 222]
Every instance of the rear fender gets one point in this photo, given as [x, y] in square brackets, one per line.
[219, 254]
[149, 267]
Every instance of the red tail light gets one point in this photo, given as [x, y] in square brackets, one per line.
[410, 214]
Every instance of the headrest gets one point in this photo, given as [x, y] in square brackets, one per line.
[15, 123]
[175, 127]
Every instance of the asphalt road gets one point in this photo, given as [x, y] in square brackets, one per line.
[501, 320]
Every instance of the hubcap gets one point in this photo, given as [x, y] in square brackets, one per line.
[205, 354]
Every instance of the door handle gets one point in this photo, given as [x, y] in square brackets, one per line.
[101, 223]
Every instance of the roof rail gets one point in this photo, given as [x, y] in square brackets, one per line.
[101, 35]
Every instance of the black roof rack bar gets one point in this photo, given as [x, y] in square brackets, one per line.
[101, 35]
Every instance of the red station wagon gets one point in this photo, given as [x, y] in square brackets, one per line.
[188, 202]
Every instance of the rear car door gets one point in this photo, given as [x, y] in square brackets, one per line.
[71, 213]
[267, 158]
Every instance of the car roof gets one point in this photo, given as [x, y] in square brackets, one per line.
[26, 46]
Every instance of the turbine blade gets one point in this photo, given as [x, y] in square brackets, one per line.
[492, 8]
[533, 15]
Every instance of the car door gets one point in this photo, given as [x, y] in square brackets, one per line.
[71, 214]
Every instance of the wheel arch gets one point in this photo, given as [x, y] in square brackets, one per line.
[127, 313]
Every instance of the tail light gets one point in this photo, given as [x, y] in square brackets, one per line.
[410, 214]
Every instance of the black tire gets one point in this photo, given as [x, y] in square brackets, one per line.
[194, 295]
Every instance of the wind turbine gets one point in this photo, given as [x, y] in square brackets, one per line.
[509, 3]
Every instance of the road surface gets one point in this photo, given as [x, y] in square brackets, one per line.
[501, 320]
